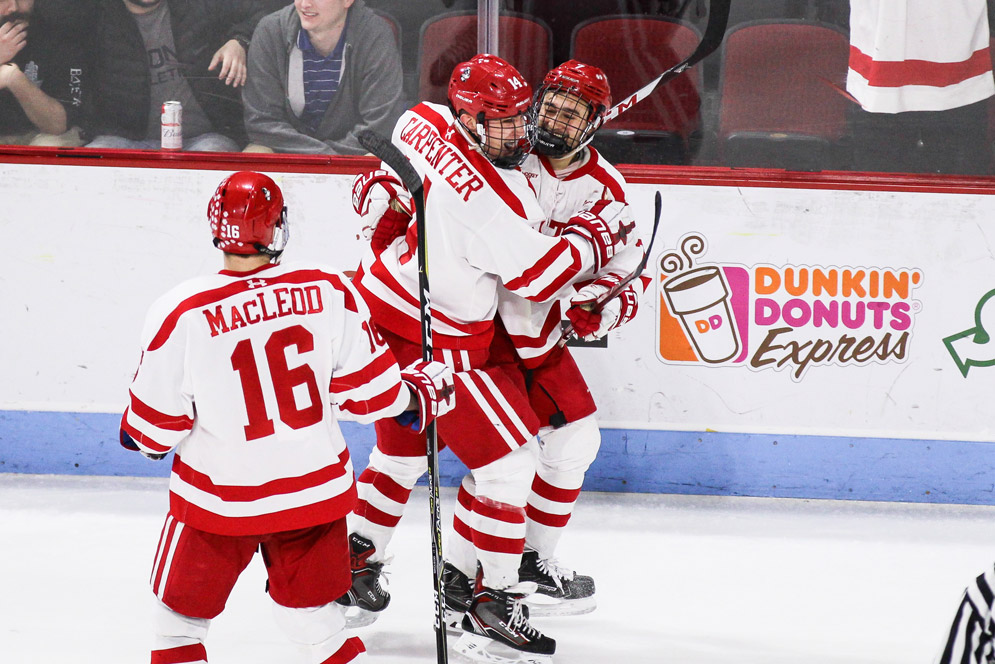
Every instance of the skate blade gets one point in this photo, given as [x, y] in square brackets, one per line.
[476, 648]
[356, 617]
[541, 606]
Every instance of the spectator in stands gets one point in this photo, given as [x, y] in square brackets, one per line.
[921, 72]
[319, 73]
[191, 51]
[43, 74]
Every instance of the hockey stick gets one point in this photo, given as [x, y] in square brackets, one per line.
[715, 30]
[390, 155]
[615, 290]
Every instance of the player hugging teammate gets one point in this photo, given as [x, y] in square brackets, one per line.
[525, 223]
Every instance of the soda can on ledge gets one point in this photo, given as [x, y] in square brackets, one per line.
[172, 125]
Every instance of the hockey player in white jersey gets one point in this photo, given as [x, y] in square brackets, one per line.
[481, 216]
[238, 374]
[567, 176]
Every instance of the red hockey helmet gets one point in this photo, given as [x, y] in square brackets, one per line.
[248, 216]
[488, 88]
[569, 107]
[498, 97]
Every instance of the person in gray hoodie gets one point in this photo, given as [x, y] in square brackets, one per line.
[319, 72]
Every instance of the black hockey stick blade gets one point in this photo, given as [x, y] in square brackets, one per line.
[715, 30]
[388, 153]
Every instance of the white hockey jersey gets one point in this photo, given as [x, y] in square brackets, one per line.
[919, 55]
[480, 223]
[238, 373]
[534, 327]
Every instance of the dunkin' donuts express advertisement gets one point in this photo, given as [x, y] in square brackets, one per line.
[812, 312]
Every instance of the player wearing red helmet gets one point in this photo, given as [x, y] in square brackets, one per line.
[567, 175]
[481, 216]
[247, 216]
[569, 107]
[238, 374]
[491, 100]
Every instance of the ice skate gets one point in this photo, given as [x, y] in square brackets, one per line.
[560, 591]
[366, 598]
[458, 590]
[496, 628]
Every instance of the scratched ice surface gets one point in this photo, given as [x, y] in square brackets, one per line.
[681, 579]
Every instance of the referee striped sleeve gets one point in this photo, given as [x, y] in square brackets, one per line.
[972, 634]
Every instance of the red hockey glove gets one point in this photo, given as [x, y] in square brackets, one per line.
[382, 200]
[432, 384]
[606, 225]
[591, 325]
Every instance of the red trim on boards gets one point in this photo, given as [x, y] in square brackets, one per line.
[713, 176]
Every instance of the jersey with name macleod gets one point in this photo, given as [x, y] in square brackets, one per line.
[480, 224]
[239, 372]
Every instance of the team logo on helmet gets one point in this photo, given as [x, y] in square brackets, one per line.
[465, 74]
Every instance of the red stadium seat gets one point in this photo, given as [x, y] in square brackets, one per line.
[633, 51]
[781, 95]
[450, 39]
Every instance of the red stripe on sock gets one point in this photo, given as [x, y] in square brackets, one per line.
[545, 518]
[376, 516]
[350, 649]
[495, 544]
[385, 485]
[193, 653]
[491, 509]
[465, 498]
[462, 529]
[540, 487]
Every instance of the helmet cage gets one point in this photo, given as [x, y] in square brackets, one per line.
[512, 151]
[493, 93]
[565, 125]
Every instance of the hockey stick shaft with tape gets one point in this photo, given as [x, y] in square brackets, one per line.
[388, 153]
[715, 29]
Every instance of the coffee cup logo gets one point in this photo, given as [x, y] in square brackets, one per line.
[699, 298]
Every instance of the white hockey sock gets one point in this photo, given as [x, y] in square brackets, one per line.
[460, 551]
[384, 488]
[178, 638]
[320, 632]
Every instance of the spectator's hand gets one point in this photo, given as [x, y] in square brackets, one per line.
[231, 57]
[8, 74]
[13, 37]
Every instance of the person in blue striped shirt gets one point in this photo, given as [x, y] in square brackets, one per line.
[321, 71]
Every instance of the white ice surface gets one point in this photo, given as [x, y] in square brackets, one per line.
[681, 579]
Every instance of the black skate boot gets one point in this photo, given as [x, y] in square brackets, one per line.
[496, 628]
[560, 592]
[366, 597]
[458, 591]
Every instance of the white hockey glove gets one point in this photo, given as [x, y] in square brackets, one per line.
[431, 384]
[590, 324]
[384, 204]
[606, 225]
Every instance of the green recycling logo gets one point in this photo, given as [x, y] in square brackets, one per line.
[974, 347]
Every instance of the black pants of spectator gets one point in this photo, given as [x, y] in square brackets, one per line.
[953, 142]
